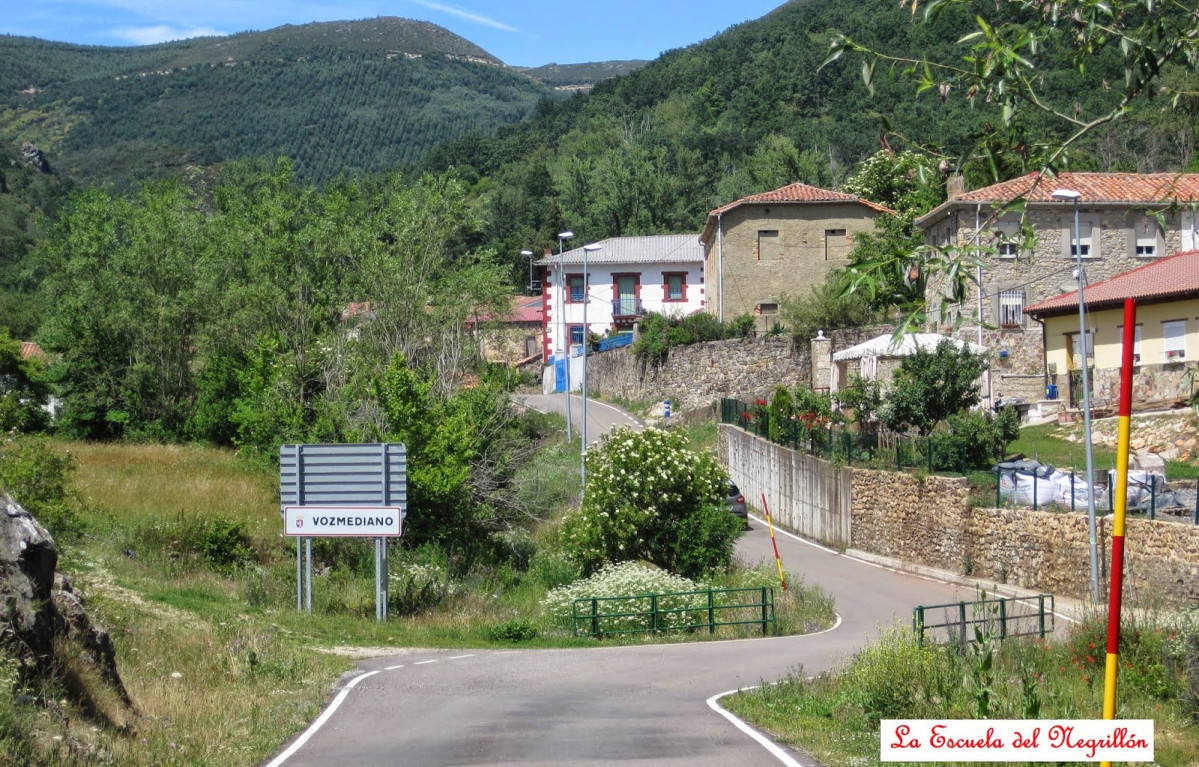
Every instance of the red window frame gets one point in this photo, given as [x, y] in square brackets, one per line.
[666, 287]
[570, 294]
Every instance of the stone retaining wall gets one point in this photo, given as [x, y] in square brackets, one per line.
[699, 374]
[928, 520]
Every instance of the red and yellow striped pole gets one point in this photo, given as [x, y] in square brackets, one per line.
[778, 560]
[1116, 574]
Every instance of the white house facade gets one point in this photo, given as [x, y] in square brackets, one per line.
[626, 277]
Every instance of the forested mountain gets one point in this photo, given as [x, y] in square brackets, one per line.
[337, 98]
[753, 109]
[581, 76]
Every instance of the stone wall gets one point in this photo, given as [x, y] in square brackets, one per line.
[909, 517]
[928, 520]
[698, 374]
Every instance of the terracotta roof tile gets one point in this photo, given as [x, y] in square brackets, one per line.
[31, 349]
[1129, 188]
[1170, 277]
[792, 193]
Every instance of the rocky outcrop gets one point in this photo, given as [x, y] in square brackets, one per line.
[35, 158]
[39, 608]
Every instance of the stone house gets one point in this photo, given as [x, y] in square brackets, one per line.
[1125, 220]
[1166, 335]
[516, 338]
[627, 277]
[765, 246]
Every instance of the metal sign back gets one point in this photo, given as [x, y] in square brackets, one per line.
[343, 475]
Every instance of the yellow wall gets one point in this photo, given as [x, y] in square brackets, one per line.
[1106, 323]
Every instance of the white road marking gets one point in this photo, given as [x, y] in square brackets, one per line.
[423, 662]
[762, 740]
[460, 657]
[778, 530]
[393, 668]
[320, 720]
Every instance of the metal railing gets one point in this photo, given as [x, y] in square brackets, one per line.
[997, 619]
[627, 307]
[676, 611]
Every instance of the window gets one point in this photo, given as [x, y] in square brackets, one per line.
[1174, 339]
[770, 247]
[576, 335]
[1136, 342]
[530, 345]
[1145, 244]
[1011, 309]
[1072, 345]
[836, 244]
[765, 309]
[676, 286]
[574, 284]
[1084, 241]
[1007, 240]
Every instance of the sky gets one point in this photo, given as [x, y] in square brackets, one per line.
[518, 32]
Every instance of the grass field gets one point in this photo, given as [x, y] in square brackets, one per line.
[181, 558]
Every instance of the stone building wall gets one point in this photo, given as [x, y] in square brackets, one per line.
[1045, 272]
[928, 520]
[744, 278]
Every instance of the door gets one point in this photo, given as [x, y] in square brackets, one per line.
[626, 296]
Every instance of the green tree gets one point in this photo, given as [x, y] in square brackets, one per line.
[930, 386]
[649, 497]
[23, 391]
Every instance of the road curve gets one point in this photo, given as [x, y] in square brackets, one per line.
[634, 705]
[601, 417]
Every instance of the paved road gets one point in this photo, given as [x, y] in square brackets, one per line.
[633, 705]
[601, 417]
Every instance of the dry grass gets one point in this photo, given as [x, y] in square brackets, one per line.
[134, 483]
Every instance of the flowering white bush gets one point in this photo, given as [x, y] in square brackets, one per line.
[413, 587]
[649, 497]
[636, 581]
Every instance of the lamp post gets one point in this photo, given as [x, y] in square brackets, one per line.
[564, 339]
[587, 250]
[529, 255]
[1071, 195]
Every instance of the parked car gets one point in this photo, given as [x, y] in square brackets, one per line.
[737, 504]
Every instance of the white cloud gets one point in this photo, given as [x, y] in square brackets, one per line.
[476, 18]
[161, 34]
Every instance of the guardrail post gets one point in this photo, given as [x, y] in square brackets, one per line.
[962, 618]
[1071, 489]
[1152, 496]
[1034, 490]
[653, 612]
[711, 613]
[1041, 613]
[763, 611]
[1002, 619]
[918, 624]
[595, 632]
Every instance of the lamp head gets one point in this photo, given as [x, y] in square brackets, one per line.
[1067, 195]
[593, 247]
[526, 253]
[565, 235]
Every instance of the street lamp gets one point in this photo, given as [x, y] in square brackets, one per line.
[529, 255]
[1071, 195]
[562, 288]
[587, 250]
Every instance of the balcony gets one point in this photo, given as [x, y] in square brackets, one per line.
[627, 309]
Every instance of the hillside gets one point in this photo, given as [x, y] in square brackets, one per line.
[753, 109]
[581, 77]
[338, 98]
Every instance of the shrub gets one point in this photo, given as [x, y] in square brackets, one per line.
[976, 439]
[629, 579]
[217, 541]
[643, 488]
[517, 630]
[553, 568]
[226, 544]
[657, 333]
[415, 587]
[40, 480]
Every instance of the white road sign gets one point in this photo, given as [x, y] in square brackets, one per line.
[362, 521]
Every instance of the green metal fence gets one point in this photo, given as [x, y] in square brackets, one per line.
[675, 611]
[998, 618]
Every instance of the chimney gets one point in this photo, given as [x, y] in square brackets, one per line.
[955, 186]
